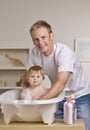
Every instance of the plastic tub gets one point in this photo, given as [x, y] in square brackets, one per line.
[28, 111]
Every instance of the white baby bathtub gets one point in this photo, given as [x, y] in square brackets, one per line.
[28, 111]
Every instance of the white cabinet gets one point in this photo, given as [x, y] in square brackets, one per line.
[12, 66]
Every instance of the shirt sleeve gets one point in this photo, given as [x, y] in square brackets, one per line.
[65, 60]
[35, 58]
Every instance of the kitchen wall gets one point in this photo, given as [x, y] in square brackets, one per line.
[70, 19]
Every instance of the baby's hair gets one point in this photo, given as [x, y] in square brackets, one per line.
[25, 80]
[37, 69]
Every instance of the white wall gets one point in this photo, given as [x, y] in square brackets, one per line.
[70, 19]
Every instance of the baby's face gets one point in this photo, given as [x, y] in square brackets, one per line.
[35, 79]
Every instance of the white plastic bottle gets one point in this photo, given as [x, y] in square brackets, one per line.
[69, 112]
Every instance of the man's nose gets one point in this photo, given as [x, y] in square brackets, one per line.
[40, 41]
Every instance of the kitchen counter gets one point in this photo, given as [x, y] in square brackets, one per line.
[57, 125]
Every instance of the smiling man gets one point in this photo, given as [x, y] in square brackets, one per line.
[63, 68]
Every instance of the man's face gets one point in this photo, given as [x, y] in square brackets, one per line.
[43, 40]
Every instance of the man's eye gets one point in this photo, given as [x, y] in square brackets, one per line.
[35, 40]
[43, 37]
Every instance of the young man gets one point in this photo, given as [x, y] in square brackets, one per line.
[63, 69]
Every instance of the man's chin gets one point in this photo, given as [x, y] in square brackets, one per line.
[42, 51]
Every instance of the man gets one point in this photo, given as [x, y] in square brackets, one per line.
[63, 69]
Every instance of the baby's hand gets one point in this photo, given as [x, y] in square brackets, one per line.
[35, 97]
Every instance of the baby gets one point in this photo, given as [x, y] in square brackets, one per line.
[32, 84]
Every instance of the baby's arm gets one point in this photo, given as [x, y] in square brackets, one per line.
[22, 94]
[39, 92]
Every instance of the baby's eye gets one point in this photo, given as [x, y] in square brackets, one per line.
[32, 76]
[38, 76]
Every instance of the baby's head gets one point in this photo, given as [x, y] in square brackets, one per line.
[37, 69]
[33, 69]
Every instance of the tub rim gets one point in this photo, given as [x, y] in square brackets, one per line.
[33, 102]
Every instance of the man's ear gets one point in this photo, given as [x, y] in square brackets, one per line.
[52, 36]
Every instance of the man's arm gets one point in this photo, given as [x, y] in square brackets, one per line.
[58, 86]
